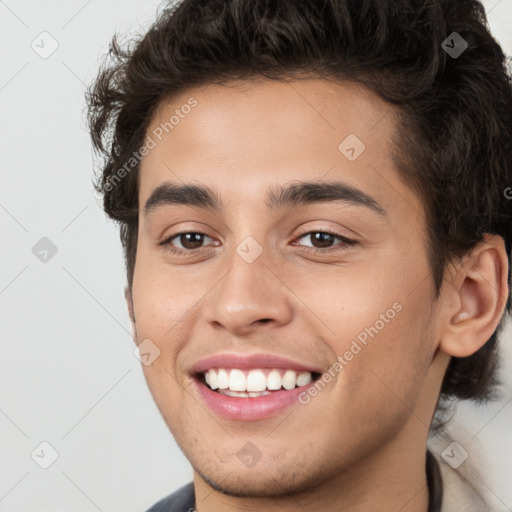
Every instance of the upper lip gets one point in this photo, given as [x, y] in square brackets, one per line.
[249, 361]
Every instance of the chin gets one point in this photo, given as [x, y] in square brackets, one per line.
[252, 483]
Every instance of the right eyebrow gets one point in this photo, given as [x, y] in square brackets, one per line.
[190, 195]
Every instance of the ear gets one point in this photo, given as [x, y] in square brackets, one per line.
[475, 298]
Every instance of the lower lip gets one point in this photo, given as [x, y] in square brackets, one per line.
[257, 408]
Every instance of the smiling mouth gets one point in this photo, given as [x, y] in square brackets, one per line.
[255, 382]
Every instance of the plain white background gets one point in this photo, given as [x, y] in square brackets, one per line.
[68, 375]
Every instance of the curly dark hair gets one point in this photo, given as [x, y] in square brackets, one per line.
[453, 144]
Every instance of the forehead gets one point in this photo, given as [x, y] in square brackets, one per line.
[307, 111]
[253, 134]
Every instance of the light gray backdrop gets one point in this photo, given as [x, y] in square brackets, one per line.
[68, 377]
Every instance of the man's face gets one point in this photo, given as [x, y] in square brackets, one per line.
[269, 286]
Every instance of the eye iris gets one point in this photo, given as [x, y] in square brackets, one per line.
[191, 240]
[323, 239]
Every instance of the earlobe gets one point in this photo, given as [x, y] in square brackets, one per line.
[480, 287]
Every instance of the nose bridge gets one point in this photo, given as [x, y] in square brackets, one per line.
[249, 293]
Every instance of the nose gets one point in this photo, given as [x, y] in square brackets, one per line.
[248, 297]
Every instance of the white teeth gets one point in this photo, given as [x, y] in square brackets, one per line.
[257, 382]
[241, 394]
[213, 380]
[274, 380]
[262, 393]
[222, 379]
[303, 378]
[289, 379]
[237, 381]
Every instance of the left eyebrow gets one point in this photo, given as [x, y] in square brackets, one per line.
[303, 193]
[295, 194]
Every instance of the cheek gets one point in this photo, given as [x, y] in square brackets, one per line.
[162, 311]
[380, 327]
[389, 360]
[164, 300]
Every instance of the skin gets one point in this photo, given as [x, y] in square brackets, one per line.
[360, 443]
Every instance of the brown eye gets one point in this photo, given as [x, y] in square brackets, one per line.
[186, 241]
[325, 240]
[321, 240]
[191, 240]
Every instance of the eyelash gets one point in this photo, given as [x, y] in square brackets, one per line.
[184, 252]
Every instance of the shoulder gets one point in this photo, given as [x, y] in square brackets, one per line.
[181, 500]
[459, 493]
[461, 481]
